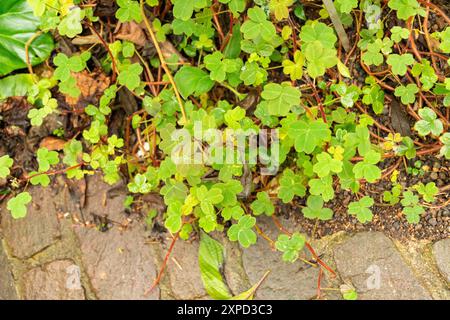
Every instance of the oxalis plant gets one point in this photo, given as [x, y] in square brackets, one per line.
[266, 68]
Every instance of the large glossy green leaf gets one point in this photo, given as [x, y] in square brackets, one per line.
[17, 26]
[210, 259]
[15, 86]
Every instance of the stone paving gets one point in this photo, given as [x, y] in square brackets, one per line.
[48, 255]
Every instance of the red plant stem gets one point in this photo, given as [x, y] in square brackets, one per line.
[319, 280]
[319, 261]
[163, 267]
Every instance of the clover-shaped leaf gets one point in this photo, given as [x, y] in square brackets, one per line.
[318, 31]
[235, 212]
[174, 220]
[257, 25]
[242, 231]
[399, 63]
[326, 164]
[315, 209]
[129, 10]
[413, 213]
[367, 168]
[361, 209]
[322, 187]
[70, 25]
[291, 185]
[429, 123]
[290, 246]
[262, 204]
[281, 97]
[208, 198]
[130, 76]
[405, 8]
[219, 67]
[319, 58]
[46, 158]
[407, 93]
[309, 135]
[294, 68]
[399, 33]
[5, 164]
[280, 8]
[373, 56]
[18, 205]
[428, 191]
[192, 80]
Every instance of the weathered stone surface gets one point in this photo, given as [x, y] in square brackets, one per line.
[7, 288]
[371, 263]
[101, 198]
[119, 264]
[184, 272]
[38, 230]
[441, 250]
[286, 280]
[58, 280]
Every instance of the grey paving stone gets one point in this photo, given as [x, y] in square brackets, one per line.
[370, 261]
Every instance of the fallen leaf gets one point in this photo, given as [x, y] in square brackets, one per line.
[131, 31]
[399, 118]
[91, 86]
[52, 143]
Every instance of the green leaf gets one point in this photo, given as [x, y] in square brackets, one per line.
[280, 8]
[326, 164]
[315, 209]
[428, 191]
[309, 135]
[235, 6]
[399, 63]
[130, 76]
[257, 25]
[445, 150]
[322, 187]
[361, 209]
[367, 168]
[399, 33]
[407, 148]
[18, 205]
[413, 213]
[129, 10]
[5, 164]
[183, 9]
[373, 56]
[318, 31]
[262, 204]
[39, 179]
[346, 6]
[17, 26]
[70, 25]
[242, 231]
[294, 68]
[429, 123]
[46, 158]
[291, 185]
[192, 80]
[210, 260]
[405, 8]
[319, 58]
[17, 85]
[281, 97]
[407, 93]
[409, 199]
[290, 246]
